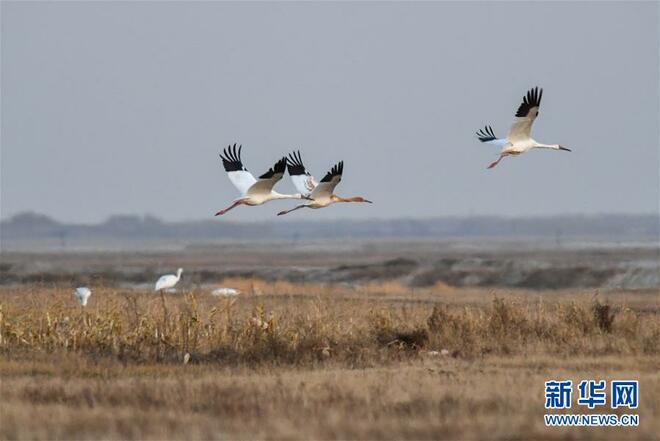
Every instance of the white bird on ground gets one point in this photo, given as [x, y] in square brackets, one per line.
[519, 141]
[168, 281]
[225, 292]
[253, 191]
[82, 295]
[321, 194]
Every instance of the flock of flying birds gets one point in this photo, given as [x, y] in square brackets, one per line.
[321, 194]
[257, 191]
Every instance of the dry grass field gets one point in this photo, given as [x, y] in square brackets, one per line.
[293, 361]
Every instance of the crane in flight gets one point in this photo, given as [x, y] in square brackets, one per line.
[253, 191]
[320, 194]
[519, 141]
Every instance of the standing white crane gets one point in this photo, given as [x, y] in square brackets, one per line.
[519, 141]
[253, 191]
[82, 295]
[320, 193]
[168, 281]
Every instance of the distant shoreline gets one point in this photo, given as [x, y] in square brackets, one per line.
[35, 232]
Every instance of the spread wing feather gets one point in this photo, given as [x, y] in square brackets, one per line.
[327, 185]
[525, 116]
[236, 171]
[301, 178]
[268, 180]
[488, 136]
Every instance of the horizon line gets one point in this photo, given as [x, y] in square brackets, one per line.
[145, 216]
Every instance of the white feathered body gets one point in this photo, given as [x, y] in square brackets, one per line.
[225, 292]
[256, 192]
[320, 193]
[168, 280]
[518, 147]
[82, 295]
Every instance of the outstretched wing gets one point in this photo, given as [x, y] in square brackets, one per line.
[236, 171]
[488, 136]
[267, 181]
[301, 178]
[525, 116]
[327, 185]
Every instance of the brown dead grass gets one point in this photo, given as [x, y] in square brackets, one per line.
[300, 325]
[313, 361]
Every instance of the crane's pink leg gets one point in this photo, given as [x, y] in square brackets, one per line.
[293, 209]
[502, 156]
[234, 205]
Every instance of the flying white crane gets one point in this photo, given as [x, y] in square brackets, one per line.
[519, 141]
[82, 295]
[320, 193]
[168, 281]
[253, 191]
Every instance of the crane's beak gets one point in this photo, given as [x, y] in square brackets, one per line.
[565, 149]
[368, 201]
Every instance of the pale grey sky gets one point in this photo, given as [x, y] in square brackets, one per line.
[121, 107]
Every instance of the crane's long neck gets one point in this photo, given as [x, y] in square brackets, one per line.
[336, 198]
[538, 145]
[341, 199]
[275, 195]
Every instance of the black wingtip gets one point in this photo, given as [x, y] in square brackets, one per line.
[231, 159]
[530, 100]
[279, 167]
[295, 164]
[336, 170]
[486, 134]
